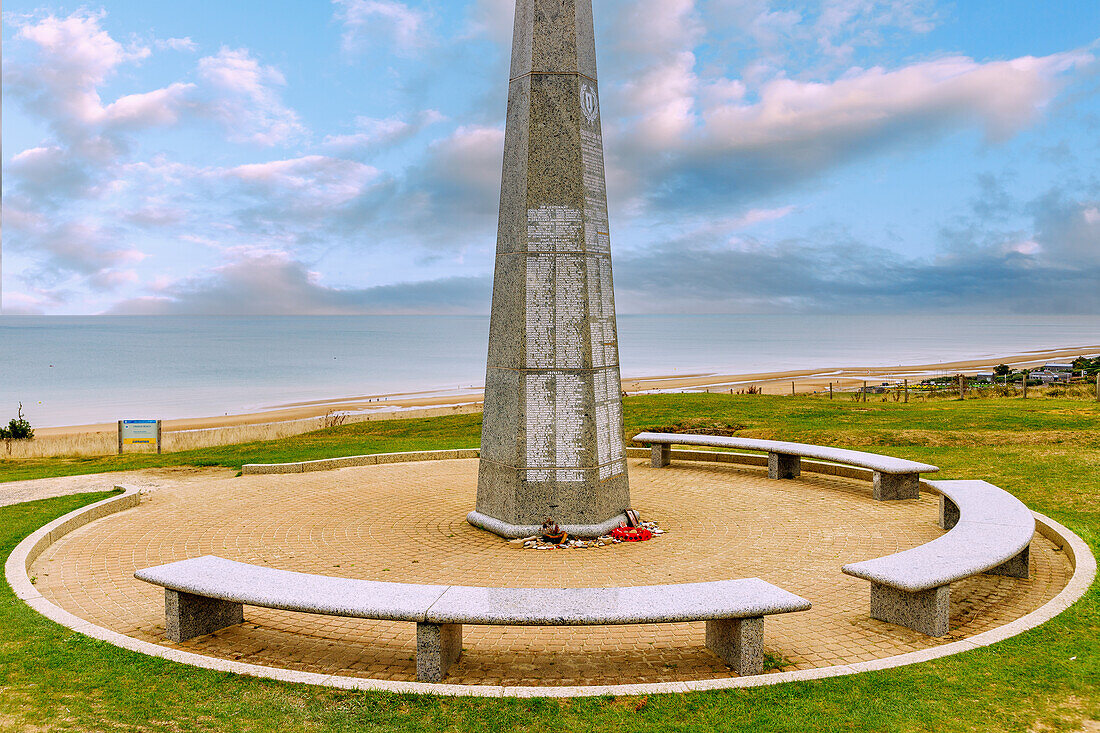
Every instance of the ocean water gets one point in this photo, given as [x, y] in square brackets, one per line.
[76, 370]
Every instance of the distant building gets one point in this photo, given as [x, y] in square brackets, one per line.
[1046, 376]
[986, 378]
[1057, 367]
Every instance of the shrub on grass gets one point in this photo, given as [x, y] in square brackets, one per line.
[18, 429]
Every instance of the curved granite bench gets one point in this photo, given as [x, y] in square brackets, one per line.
[208, 593]
[990, 531]
[894, 478]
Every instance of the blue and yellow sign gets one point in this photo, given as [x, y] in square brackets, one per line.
[139, 432]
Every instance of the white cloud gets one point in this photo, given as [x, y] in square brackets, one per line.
[375, 134]
[688, 134]
[372, 133]
[74, 57]
[85, 249]
[821, 36]
[664, 98]
[368, 20]
[35, 302]
[161, 107]
[245, 100]
[1003, 96]
[844, 25]
[1026, 247]
[759, 216]
[459, 182]
[313, 181]
[177, 44]
[77, 55]
[494, 18]
[156, 215]
[654, 27]
[39, 162]
[47, 175]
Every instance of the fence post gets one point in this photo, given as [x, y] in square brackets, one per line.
[158, 436]
[906, 390]
[1098, 386]
[831, 391]
[120, 437]
[792, 389]
[962, 388]
[863, 396]
[1026, 375]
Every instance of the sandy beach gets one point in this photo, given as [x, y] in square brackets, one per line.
[430, 404]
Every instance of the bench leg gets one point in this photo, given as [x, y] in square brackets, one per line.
[739, 642]
[925, 611]
[891, 486]
[438, 646]
[949, 513]
[661, 455]
[783, 465]
[1017, 567]
[187, 616]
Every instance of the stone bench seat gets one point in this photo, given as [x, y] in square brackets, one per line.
[208, 593]
[894, 478]
[989, 530]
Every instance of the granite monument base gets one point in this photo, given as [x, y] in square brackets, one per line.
[514, 531]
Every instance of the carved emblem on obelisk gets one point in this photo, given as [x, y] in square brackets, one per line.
[589, 105]
[552, 438]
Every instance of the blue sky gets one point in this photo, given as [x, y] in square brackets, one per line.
[308, 157]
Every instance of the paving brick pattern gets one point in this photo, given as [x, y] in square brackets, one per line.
[406, 522]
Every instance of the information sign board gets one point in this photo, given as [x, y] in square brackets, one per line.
[138, 432]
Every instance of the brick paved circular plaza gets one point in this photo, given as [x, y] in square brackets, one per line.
[406, 522]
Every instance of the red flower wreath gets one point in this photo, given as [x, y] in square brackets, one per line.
[631, 534]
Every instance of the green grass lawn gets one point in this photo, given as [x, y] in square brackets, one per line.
[884, 426]
[1047, 452]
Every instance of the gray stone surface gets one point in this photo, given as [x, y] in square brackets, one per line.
[1016, 567]
[984, 503]
[925, 611]
[745, 598]
[784, 465]
[205, 594]
[949, 513]
[1001, 530]
[661, 455]
[873, 461]
[252, 585]
[738, 642]
[895, 486]
[187, 616]
[552, 430]
[438, 646]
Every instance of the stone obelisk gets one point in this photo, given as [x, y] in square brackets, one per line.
[552, 440]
